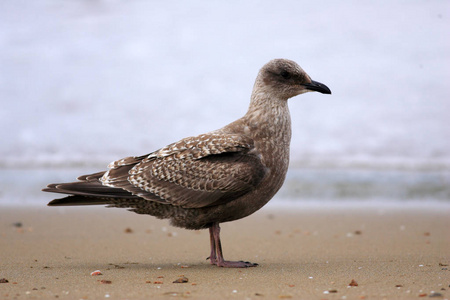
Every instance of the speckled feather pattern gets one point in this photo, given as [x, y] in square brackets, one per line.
[215, 177]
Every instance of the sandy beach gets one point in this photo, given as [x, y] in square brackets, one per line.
[311, 253]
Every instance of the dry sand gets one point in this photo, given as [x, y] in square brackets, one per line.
[311, 253]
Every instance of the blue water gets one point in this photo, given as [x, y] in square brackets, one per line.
[22, 186]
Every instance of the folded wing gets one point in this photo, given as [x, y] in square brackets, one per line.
[195, 172]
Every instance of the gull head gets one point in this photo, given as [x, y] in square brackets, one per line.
[285, 79]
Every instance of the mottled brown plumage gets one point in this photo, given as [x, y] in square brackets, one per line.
[212, 178]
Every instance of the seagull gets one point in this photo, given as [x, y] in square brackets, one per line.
[216, 177]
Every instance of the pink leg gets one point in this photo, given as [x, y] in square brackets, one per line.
[212, 256]
[216, 256]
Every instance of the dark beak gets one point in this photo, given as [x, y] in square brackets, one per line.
[317, 87]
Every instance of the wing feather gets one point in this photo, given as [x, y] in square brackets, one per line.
[195, 172]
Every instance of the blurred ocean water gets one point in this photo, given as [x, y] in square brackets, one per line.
[83, 83]
[327, 186]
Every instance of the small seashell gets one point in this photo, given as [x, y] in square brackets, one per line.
[96, 273]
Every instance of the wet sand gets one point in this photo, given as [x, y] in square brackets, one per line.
[397, 252]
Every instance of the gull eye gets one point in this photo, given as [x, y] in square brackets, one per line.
[285, 74]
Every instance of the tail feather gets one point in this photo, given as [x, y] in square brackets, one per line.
[91, 177]
[78, 200]
[88, 191]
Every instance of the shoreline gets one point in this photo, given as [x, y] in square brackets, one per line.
[23, 186]
[289, 205]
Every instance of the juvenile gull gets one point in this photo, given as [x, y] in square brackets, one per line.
[202, 181]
